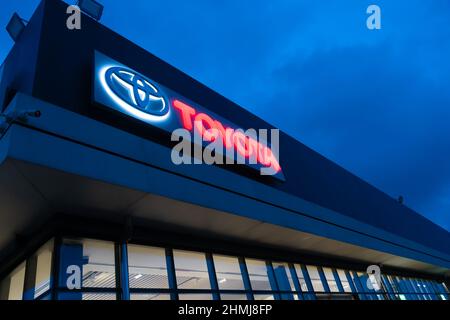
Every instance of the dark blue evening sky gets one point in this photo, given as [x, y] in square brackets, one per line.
[375, 102]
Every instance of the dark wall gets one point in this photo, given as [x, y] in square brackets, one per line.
[20, 64]
[64, 77]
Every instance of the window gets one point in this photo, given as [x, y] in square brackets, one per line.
[367, 285]
[393, 283]
[416, 287]
[86, 264]
[43, 269]
[263, 297]
[12, 286]
[147, 267]
[315, 278]
[228, 273]
[426, 288]
[357, 283]
[257, 271]
[195, 296]
[344, 281]
[388, 287]
[329, 276]
[444, 286]
[284, 280]
[443, 291]
[301, 278]
[37, 269]
[227, 296]
[149, 296]
[99, 296]
[191, 270]
[404, 288]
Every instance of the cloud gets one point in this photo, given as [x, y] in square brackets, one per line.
[378, 114]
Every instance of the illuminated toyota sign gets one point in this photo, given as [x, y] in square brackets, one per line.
[129, 92]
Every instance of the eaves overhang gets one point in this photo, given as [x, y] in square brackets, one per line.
[71, 161]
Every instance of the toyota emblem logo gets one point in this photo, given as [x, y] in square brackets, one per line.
[137, 91]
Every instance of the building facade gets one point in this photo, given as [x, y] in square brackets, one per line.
[94, 207]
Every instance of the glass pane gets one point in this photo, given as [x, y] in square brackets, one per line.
[149, 296]
[226, 296]
[86, 263]
[284, 280]
[344, 280]
[228, 272]
[99, 296]
[387, 285]
[393, 283]
[443, 290]
[445, 287]
[403, 287]
[147, 267]
[301, 278]
[12, 285]
[263, 297]
[426, 288]
[195, 296]
[416, 288]
[257, 272]
[364, 279]
[283, 276]
[99, 271]
[43, 269]
[433, 290]
[191, 270]
[330, 279]
[371, 283]
[315, 278]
